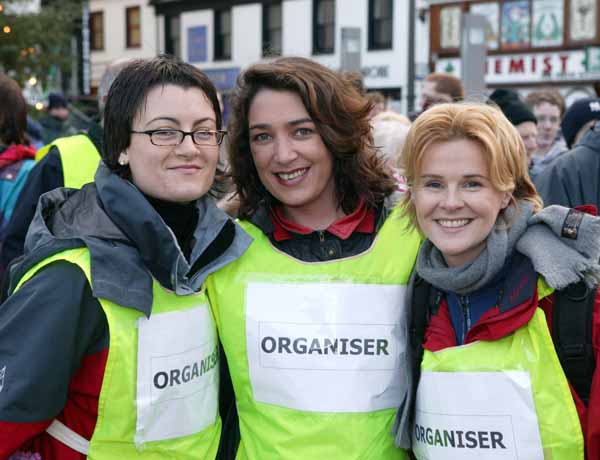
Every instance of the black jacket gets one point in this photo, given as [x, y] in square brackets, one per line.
[573, 179]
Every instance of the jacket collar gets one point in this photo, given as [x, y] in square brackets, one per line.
[128, 248]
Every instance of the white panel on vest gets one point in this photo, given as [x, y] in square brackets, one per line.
[327, 347]
[178, 374]
[476, 415]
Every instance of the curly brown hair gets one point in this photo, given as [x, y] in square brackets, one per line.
[340, 115]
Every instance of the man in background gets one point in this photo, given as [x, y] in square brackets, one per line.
[520, 116]
[573, 179]
[439, 88]
[548, 106]
[55, 123]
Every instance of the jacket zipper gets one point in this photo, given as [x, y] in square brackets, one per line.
[321, 236]
[464, 305]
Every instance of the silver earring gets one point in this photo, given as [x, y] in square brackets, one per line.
[122, 160]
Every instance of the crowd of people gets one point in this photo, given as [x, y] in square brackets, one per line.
[319, 277]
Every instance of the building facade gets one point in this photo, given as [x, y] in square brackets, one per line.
[222, 37]
[531, 43]
[120, 29]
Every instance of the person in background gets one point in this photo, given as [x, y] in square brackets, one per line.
[573, 179]
[108, 348]
[548, 106]
[55, 123]
[16, 155]
[522, 118]
[312, 317]
[494, 260]
[439, 88]
[389, 133]
[34, 133]
[66, 162]
[377, 101]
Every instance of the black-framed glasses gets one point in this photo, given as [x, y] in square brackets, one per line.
[172, 137]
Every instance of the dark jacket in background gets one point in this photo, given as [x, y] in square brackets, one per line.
[45, 176]
[573, 179]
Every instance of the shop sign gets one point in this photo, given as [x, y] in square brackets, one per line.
[529, 68]
[376, 71]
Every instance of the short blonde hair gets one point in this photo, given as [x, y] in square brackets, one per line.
[484, 124]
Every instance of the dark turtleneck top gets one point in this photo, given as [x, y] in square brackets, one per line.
[181, 218]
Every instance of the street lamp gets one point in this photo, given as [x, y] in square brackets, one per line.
[6, 29]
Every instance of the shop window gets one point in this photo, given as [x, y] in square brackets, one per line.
[516, 23]
[583, 21]
[133, 23]
[381, 25]
[97, 31]
[547, 26]
[323, 26]
[222, 35]
[491, 13]
[450, 27]
[271, 33]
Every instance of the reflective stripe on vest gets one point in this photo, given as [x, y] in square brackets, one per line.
[79, 158]
[521, 408]
[159, 396]
[67, 436]
[316, 351]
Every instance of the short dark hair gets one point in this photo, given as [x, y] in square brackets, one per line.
[13, 112]
[340, 114]
[128, 93]
[447, 84]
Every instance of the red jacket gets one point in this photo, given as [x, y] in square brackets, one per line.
[494, 325]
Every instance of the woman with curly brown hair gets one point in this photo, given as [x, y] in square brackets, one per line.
[312, 317]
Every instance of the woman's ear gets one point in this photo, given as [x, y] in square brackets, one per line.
[506, 199]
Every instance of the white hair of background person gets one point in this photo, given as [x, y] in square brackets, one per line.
[108, 76]
[389, 133]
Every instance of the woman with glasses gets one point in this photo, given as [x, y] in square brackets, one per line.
[108, 348]
[311, 317]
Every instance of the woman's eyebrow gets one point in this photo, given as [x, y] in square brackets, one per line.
[299, 121]
[171, 119]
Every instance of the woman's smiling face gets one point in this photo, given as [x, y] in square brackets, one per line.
[291, 159]
[179, 173]
[456, 204]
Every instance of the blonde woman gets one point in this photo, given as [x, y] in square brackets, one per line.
[491, 382]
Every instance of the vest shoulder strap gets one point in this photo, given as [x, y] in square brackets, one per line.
[572, 335]
[420, 310]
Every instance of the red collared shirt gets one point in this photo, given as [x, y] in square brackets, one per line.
[361, 220]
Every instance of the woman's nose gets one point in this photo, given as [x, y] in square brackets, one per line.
[452, 199]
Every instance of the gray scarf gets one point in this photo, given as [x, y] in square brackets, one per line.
[560, 260]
